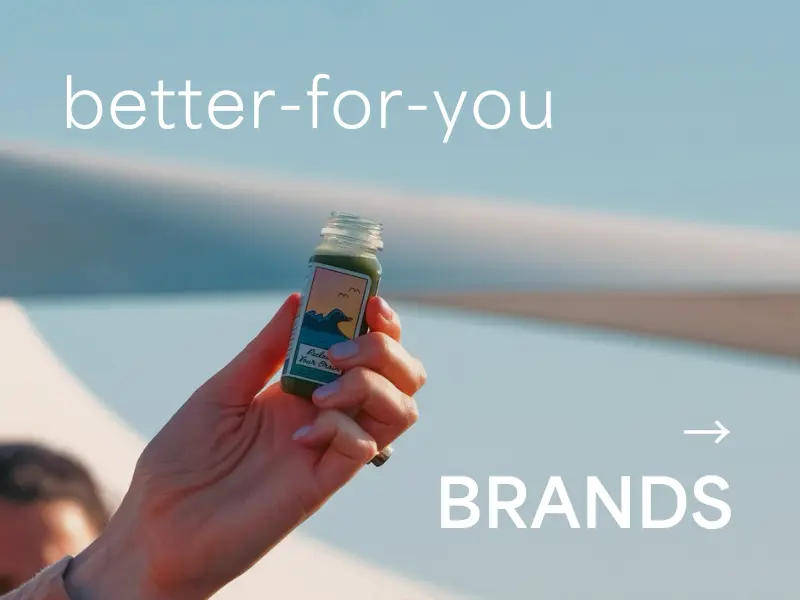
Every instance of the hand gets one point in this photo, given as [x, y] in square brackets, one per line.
[239, 467]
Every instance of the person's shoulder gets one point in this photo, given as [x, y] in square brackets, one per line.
[47, 585]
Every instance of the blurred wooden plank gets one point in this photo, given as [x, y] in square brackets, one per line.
[765, 323]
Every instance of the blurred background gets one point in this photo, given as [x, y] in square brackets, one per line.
[670, 169]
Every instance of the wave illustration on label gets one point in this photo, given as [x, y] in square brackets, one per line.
[331, 311]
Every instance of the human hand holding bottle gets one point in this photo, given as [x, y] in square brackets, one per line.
[239, 467]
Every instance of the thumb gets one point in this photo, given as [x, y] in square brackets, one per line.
[247, 374]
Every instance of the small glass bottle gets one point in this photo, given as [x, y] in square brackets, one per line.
[343, 274]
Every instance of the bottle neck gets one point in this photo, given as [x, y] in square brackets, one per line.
[341, 244]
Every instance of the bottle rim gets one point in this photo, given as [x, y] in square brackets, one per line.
[361, 229]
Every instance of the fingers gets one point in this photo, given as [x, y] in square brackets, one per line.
[381, 408]
[239, 381]
[371, 404]
[380, 353]
[382, 318]
[347, 447]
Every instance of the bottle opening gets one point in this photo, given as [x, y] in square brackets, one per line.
[353, 227]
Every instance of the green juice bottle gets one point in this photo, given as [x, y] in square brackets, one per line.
[343, 274]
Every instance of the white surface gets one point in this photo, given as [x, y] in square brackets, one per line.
[457, 242]
[83, 225]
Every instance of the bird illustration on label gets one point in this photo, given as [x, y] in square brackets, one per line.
[330, 316]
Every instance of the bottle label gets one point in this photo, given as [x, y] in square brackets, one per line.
[332, 310]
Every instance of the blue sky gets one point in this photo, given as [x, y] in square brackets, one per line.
[680, 109]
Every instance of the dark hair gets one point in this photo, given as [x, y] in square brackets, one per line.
[32, 473]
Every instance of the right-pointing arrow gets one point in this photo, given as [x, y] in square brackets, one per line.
[721, 432]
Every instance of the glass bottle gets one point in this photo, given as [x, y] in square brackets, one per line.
[343, 274]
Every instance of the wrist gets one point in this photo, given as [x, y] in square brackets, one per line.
[113, 566]
[99, 572]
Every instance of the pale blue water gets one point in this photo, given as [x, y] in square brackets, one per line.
[506, 398]
[679, 109]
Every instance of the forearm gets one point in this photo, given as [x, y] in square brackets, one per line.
[85, 577]
[95, 574]
[47, 585]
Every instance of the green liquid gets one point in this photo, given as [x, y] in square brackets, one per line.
[366, 264]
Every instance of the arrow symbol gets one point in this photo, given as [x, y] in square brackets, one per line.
[721, 432]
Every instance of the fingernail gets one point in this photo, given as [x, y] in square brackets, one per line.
[343, 350]
[385, 310]
[326, 391]
[302, 432]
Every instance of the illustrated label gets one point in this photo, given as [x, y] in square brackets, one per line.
[331, 311]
